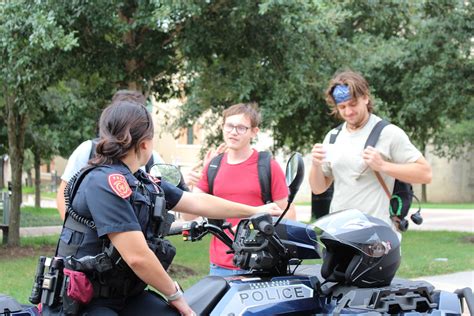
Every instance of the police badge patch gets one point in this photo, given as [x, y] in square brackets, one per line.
[119, 185]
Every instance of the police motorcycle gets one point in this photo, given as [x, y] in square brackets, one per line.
[360, 258]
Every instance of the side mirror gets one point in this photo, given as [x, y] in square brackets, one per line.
[294, 178]
[294, 175]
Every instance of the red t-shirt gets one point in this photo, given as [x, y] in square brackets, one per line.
[239, 183]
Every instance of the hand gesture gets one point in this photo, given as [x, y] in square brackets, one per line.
[373, 158]
[193, 176]
[318, 154]
[213, 153]
[271, 208]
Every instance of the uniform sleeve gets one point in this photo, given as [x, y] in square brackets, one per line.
[110, 212]
[172, 194]
[77, 160]
[203, 183]
[279, 187]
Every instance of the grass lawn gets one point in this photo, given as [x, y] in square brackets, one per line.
[460, 206]
[420, 250]
[45, 191]
[33, 216]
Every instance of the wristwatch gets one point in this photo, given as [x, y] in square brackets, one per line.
[177, 295]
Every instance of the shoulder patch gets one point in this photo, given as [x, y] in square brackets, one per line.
[119, 185]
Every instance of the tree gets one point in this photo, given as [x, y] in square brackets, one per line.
[417, 56]
[280, 54]
[120, 46]
[30, 41]
[422, 72]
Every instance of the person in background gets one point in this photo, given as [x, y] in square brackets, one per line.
[86, 151]
[237, 177]
[349, 165]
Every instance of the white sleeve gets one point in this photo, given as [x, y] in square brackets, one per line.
[396, 145]
[77, 160]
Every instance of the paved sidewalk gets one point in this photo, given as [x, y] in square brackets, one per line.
[433, 219]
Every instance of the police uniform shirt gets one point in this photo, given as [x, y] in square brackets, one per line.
[112, 196]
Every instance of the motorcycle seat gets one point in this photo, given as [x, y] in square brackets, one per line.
[203, 296]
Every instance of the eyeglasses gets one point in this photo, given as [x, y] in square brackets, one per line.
[240, 129]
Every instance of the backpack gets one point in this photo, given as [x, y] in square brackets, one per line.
[264, 174]
[402, 195]
[94, 141]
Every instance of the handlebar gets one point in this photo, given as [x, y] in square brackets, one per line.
[193, 231]
[266, 228]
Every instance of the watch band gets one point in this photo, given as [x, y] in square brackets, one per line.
[177, 295]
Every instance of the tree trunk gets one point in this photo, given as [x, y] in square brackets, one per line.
[131, 66]
[29, 178]
[2, 172]
[37, 164]
[16, 122]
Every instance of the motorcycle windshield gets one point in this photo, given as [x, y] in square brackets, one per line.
[356, 229]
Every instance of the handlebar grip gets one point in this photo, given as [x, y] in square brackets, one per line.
[266, 228]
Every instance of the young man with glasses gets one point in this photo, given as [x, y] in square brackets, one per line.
[351, 166]
[237, 177]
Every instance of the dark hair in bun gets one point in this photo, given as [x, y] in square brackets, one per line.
[123, 125]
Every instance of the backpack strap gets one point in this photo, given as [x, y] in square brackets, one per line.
[333, 136]
[265, 175]
[93, 146]
[372, 141]
[375, 133]
[149, 164]
[212, 171]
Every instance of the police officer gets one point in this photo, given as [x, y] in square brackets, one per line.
[109, 212]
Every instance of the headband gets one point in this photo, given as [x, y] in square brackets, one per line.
[341, 93]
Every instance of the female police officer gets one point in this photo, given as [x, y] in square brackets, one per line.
[110, 207]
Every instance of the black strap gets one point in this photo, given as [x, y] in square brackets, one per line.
[94, 145]
[375, 133]
[373, 136]
[264, 174]
[149, 164]
[69, 192]
[333, 136]
[212, 171]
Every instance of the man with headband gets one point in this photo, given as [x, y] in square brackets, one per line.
[349, 165]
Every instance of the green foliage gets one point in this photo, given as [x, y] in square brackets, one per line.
[416, 56]
[423, 71]
[269, 53]
[31, 43]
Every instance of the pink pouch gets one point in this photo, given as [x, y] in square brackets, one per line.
[79, 287]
